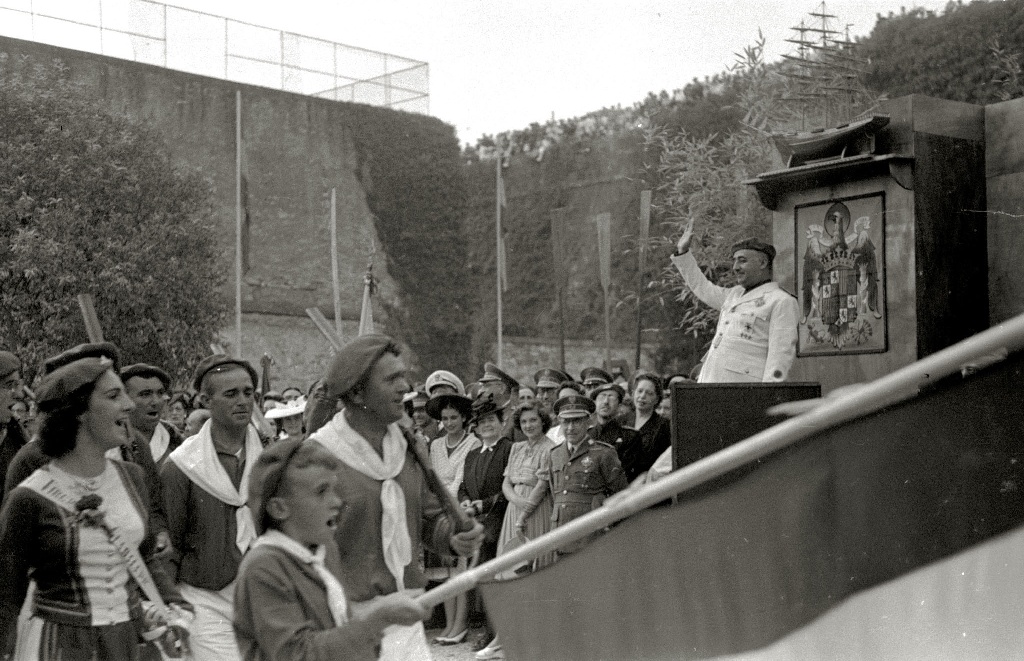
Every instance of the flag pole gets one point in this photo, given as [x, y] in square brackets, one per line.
[645, 224]
[238, 223]
[885, 391]
[498, 251]
[336, 284]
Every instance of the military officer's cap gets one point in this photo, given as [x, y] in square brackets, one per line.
[592, 376]
[574, 406]
[606, 387]
[493, 373]
[758, 245]
[550, 378]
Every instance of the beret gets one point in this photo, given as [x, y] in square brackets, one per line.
[266, 477]
[463, 405]
[9, 364]
[146, 372]
[605, 387]
[493, 373]
[210, 363]
[574, 406]
[66, 379]
[93, 349]
[353, 362]
[594, 375]
[758, 245]
[444, 378]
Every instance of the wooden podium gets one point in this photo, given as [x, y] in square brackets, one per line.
[708, 417]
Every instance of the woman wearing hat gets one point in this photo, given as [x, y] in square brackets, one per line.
[288, 418]
[448, 457]
[80, 526]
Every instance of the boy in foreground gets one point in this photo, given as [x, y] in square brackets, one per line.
[288, 604]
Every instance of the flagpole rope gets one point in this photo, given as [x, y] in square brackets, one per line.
[874, 396]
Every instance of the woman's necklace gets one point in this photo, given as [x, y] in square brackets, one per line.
[458, 441]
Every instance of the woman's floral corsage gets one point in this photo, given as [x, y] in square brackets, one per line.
[89, 513]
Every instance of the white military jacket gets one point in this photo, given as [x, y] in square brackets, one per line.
[756, 336]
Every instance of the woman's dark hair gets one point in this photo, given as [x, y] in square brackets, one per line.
[654, 379]
[58, 431]
[545, 419]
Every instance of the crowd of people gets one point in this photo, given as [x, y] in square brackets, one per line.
[178, 479]
[138, 521]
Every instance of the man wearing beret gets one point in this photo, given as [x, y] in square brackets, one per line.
[609, 430]
[756, 336]
[148, 385]
[205, 485]
[12, 436]
[582, 472]
[388, 510]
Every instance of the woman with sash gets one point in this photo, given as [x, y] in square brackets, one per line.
[78, 527]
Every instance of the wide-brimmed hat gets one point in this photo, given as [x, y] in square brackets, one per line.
[485, 406]
[464, 405]
[296, 407]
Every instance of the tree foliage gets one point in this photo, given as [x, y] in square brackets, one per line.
[92, 204]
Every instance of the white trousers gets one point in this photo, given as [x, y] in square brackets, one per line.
[212, 633]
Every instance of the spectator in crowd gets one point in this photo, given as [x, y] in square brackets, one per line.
[448, 457]
[79, 526]
[415, 403]
[504, 389]
[195, 421]
[608, 429]
[480, 492]
[288, 419]
[592, 377]
[529, 510]
[290, 394]
[442, 382]
[289, 603]
[655, 431]
[178, 409]
[526, 395]
[756, 336]
[565, 389]
[664, 408]
[548, 381]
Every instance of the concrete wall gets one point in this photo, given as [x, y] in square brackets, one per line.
[295, 148]
[1004, 170]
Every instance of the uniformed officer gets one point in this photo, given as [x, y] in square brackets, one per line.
[756, 336]
[548, 380]
[592, 377]
[583, 472]
[501, 385]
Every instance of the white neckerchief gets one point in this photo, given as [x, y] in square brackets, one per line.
[351, 448]
[197, 459]
[335, 593]
[160, 441]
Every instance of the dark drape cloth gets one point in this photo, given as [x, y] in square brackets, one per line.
[776, 547]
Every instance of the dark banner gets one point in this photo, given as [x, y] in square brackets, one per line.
[774, 548]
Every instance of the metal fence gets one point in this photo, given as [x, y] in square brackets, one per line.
[219, 47]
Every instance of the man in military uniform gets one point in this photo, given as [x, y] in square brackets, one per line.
[608, 429]
[756, 336]
[583, 472]
[592, 377]
[501, 386]
[548, 380]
